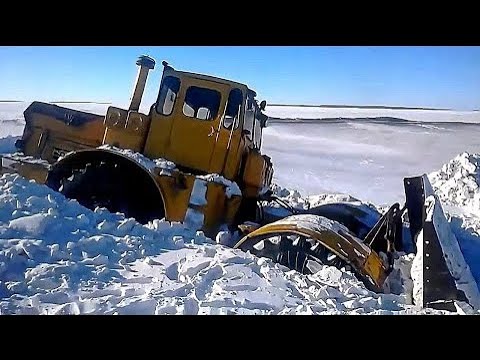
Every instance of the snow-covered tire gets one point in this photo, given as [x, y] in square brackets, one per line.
[110, 182]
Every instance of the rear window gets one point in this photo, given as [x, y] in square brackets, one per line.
[201, 103]
[168, 95]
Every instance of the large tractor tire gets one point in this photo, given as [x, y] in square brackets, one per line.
[105, 179]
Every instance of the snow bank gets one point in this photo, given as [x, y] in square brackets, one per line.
[49, 245]
[457, 182]
[57, 257]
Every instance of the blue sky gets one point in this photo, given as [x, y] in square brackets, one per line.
[447, 77]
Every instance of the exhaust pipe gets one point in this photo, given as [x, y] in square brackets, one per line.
[145, 64]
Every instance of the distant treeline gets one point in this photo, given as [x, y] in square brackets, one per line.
[360, 107]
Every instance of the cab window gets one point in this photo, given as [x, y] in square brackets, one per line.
[257, 141]
[232, 110]
[201, 103]
[248, 122]
[168, 95]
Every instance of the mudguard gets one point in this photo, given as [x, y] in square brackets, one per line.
[440, 274]
[331, 235]
[356, 216]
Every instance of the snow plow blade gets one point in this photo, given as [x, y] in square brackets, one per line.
[439, 271]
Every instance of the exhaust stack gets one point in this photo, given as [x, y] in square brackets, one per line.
[145, 64]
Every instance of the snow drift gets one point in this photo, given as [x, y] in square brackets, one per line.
[457, 182]
[57, 257]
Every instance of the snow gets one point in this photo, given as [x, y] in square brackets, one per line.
[343, 156]
[199, 192]
[231, 187]
[457, 182]
[164, 167]
[335, 114]
[58, 257]
[417, 271]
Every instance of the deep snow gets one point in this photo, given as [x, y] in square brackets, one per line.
[58, 257]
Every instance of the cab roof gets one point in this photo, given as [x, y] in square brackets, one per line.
[213, 79]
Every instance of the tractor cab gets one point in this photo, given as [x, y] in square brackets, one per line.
[204, 124]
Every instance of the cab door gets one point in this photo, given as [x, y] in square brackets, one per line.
[197, 121]
[224, 160]
[162, 117]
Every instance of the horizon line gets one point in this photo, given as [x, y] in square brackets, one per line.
[332, 106]
[368, 107]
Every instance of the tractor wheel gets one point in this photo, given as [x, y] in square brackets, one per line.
[299, 253]
[115, 185]
[296, 251]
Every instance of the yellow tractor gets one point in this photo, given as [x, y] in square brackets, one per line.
[196, 158]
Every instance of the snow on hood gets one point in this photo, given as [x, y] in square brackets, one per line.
[59, 257]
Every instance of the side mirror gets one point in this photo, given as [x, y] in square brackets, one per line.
[263, 105]
[263, 120]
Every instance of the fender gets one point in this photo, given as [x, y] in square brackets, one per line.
[133, 168]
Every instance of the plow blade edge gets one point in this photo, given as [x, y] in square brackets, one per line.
[440, 274]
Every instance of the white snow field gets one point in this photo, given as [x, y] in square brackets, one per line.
[57, 257]
[361, 156]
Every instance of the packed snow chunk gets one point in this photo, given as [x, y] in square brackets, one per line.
[400, 280]
[231, 187]
[194, 219]
[33, 225]
[199, 191]
[224, 238]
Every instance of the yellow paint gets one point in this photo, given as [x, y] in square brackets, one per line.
[43, 130]
[362, 258]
